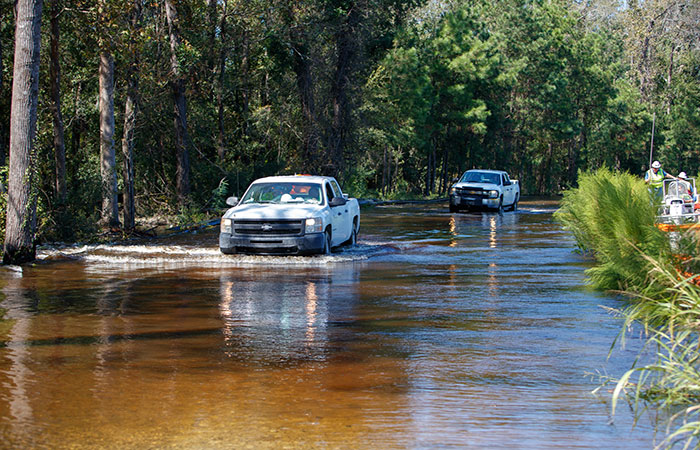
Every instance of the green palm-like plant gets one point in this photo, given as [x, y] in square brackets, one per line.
[612, 218]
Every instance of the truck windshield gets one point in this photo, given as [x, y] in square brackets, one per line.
[481, 177]
[283, 193]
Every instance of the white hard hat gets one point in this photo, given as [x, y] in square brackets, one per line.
[682, 175]
[655, 165]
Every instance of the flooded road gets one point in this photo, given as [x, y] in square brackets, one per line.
[437, 330]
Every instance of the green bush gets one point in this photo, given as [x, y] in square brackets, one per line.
[219, 195]
[612, 217]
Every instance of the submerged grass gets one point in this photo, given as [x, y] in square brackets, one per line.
[612, 219]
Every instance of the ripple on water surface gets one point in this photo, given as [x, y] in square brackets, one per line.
[437, 330]
[180, 255]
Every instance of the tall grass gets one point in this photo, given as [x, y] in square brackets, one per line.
[612, 218]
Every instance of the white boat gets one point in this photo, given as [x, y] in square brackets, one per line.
[678, 202]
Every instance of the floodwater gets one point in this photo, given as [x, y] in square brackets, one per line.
[437, 330]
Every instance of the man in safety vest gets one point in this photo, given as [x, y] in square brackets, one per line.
[655, 178]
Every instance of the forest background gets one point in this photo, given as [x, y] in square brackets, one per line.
[167, 107]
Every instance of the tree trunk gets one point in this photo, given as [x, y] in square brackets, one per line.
[265, 90]
[576, 147]
[346, 49]
[434, 171]
[643, 66]
[426, 191]
[108, 162]
[669, 76]
[302, 69]
[388, 176]
[384, 170]
[21, 204]
[211, 23]
[77, 128]
[443, 179]
[544, 174]
[130, 111]
[2, 125]
[59, 143]
[180, 107]
[245, 85]
[221, 146]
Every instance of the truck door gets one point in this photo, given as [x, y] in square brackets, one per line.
[508, 195]
[339, 216]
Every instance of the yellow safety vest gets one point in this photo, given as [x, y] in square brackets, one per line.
[656, 180]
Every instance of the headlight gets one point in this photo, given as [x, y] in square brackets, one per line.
[453, 190]
[493, 194]
[314, 225]
[227, 226]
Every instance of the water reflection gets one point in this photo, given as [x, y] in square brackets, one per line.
[453, 231]
[492, 283]
[312, 316]
[493, 227]
[277, 317]
[19, 375]
[462, 226]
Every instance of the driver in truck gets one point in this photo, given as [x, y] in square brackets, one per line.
[314, 195]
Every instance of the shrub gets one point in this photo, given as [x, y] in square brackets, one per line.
[612, 218]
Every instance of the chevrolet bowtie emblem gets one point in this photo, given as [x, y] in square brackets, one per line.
[266, 227]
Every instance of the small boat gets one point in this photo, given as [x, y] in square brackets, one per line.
[679, 209]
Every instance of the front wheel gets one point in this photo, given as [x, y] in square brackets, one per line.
[326, 243]
[500, 207]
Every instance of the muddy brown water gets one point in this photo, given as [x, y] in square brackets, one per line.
[437, 330]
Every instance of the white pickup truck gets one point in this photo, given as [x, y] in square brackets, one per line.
[297, 214]
[484, 189]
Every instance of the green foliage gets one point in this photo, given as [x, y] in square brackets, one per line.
[190, 215]
[356, 181]
[611, 216]
[219, 195]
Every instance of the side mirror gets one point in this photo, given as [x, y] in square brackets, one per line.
[232, 201]
[337, 201]
[455, 180]
[345, 196]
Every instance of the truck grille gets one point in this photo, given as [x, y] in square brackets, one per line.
[267, 250]
[473, 192]
[289, 227]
